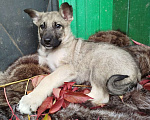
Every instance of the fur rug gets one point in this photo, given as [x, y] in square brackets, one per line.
[135, 105]
[114, 37]
[24, 67]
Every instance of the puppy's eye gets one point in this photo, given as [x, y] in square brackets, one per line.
[58, 26]
[42, 26]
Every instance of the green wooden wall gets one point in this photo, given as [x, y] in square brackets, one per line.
[130, 16]
[133, 18]
[90, 16]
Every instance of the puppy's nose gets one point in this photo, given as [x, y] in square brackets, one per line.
[47, 40]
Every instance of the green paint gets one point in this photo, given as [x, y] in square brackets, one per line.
[139, 21]
[81, 17]
[90, 16]
[129, 16]
[120, 15]
[133, 18]
[106, 14]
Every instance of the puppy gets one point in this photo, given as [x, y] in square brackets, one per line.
[74, 59]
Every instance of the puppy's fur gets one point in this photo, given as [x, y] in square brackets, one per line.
[74, 59]
[141, 54]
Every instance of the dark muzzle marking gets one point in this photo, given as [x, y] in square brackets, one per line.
[50, 42]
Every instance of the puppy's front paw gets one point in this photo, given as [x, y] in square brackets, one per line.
[28, 104]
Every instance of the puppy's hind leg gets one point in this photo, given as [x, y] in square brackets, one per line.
[99, 94]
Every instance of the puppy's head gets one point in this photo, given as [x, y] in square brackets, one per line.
[53, 27]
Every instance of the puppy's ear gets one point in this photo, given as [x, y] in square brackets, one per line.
[35, 15]
[66, 11]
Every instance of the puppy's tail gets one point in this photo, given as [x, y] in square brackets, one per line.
[115, 88]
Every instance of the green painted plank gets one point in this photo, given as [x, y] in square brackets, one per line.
[139, 21]
[92, 17]
[106, 12]
[81, 18]
[120, 15]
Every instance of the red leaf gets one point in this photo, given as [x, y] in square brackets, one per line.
[148, 76]
[56, 92]
[62, 92]
[69, 84]
[37, 79]
[56, 106]
[45, 105]
[76, 97]
[65, 104]
[147, 86]
[64, 87]
[137, 43]
[74, 89]
[143, 82]
[86, 91]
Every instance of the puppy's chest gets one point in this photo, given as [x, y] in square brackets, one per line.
[56, 59]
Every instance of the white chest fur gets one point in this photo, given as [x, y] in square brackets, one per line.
[55, 59]
[52, 59]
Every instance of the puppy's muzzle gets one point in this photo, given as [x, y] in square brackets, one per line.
[50, 42]
[47, 41]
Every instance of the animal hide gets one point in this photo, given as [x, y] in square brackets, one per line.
[135, 106]
[114, 37]
[25, 67]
